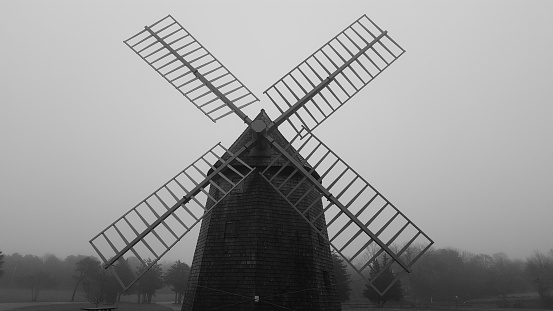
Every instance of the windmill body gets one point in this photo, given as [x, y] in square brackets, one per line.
[254, 244]
[271, 208]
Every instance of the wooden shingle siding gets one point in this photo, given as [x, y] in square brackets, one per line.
[274, 253]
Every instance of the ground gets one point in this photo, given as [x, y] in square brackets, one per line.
[58, 301]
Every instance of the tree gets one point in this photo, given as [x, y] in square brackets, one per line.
[342, 277]
[381, 280]
[36, 282]
[439, 274]
[32, 275]
[126, 276]
[86, 268]
[539, 268]
[149, 283]
[113, 289]
[506, 276]
[100, 286]
[1, 263]
[177, 277]
[94, 287]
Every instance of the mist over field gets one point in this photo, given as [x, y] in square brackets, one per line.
[456, 133]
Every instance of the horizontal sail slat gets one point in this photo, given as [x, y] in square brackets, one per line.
[338, 70]
[176, 206]
[168, 40]
[358, 219]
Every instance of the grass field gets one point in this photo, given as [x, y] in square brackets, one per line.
[78, 306]
[524, 302]
[60, 295]
[157, 307]
[24, 295]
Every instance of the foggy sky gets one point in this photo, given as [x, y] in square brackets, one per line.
[456, 133]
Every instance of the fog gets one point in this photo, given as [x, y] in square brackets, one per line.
[456, 133]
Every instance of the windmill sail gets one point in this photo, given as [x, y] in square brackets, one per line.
[359, 216]
[326, 80]
[179, 58]
[356, 218]
[157, 223]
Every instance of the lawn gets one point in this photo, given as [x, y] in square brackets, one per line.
[128, 303]
[46, 295]
[63, 295]
[156, 307]
[77, 306]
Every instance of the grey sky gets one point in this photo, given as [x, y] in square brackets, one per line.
[457, 132]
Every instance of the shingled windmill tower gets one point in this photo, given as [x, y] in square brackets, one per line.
[254, 244]
[271, 208]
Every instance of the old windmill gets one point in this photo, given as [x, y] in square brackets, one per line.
[266, 235]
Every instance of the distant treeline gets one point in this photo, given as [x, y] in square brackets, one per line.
[61, 272]
[82, 275]
[19, 268]
[439, 275]
[453, 277]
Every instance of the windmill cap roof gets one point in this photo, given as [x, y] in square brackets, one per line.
[257, 157]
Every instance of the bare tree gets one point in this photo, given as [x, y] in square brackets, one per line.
[506, 276]
[101, 287]
[408, 255]
[86, 268]
[539, 268]
[94, 287]
[1, 263]
[36, 281]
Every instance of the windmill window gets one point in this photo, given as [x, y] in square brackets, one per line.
[239, 188]
[326, 278]
[321, 240]
[230, 229]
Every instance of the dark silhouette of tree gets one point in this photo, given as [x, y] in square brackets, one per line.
[149, 283]
[36, 282]
[70, 263]
[177, 277]
[1, 263]
[439, 274]
[17, 267]
[539, 268]
[31, 274]
[113, 289]
[342, 277]
[124, 271]
[94, 287]
[382, 281]
[86, 268]
[409, 279]
[100, 286]
[443, 274]
[506, 277]
[54, 267]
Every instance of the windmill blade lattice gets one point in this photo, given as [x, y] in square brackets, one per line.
[151, 228]
[179, 58]
[328, 78]
[359, 217]
[355, 219]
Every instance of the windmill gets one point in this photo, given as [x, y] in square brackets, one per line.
[266, 235]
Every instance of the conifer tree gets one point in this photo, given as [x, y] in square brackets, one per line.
[342, 277]
[381, 283]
